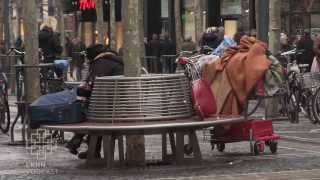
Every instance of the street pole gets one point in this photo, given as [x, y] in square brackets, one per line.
[198, 17]
[6, 18]
[132, 17]
[262, 19]
[32, 85]
[177, 14]
[274, 46]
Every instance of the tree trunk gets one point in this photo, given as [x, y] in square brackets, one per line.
[19, 5]
[113, 28]
[132, 13]
[60, 19]
[262, 19]
[6, 18]
[274, 46]
[178, 28]
[32, 85]
[101, 25]
[198, 17]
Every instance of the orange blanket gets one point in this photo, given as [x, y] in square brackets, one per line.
[234, 76]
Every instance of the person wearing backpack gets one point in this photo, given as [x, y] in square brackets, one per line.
[102, 62]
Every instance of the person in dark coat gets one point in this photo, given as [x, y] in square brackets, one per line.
[306, 44]
[49, 43]
[77, 59]
[102, 62]
[154, 51]
[166, 47]
[210, 38]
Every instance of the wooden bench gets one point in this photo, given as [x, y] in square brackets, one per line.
[176, 130]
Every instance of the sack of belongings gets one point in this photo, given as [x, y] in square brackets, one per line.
[56, 108]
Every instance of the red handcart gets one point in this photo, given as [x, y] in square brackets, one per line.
[259, 132]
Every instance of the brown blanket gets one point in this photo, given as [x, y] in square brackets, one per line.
[234, 76]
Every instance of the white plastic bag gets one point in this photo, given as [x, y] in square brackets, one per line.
[315, 65]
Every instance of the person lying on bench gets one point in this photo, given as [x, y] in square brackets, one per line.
[102, 62]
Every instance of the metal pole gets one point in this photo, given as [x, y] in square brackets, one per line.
[262, 19]
[6, 18]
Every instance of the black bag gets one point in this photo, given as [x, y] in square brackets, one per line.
[56, 108]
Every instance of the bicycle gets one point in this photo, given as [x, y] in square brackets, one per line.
[4, 105]
[298, 95]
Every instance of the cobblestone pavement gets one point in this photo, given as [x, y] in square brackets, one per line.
[298, 157]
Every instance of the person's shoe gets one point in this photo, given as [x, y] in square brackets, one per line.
[84, 155]
[72, 148]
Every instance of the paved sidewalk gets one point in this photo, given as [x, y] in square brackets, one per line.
[296, 159]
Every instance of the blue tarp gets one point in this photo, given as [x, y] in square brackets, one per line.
[63, 97]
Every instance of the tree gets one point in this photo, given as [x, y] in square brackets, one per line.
[262, 19]
[178, 28]
[32, 85]
[6, 22]
[100, 25]
[198, 17]
[132, 16]
[274, 45]
[113, 28]
[60, 19]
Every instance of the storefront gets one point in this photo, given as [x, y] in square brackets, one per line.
[300, 15]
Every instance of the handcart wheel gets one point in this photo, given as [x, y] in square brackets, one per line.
[188, 149]
[221, 147]
[273, 147]
[258, 148]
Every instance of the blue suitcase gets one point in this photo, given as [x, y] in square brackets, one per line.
[56, 108]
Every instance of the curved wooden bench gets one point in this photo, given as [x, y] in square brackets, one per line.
[111, 132]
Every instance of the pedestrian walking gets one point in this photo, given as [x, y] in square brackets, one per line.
[77, 60]
[306, 45]
[316, 49]
[153, 64]
[166, 50]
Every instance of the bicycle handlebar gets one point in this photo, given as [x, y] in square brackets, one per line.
[15, 51]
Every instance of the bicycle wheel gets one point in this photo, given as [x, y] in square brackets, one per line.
[293, 108]
[4, 112]
[316, 105]
[306, 105]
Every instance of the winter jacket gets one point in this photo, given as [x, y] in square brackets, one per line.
[50, 44]
[105, 64]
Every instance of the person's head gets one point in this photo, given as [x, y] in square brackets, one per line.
[307, 33]
[154, 37]
[284, 39]
[238, 35]
[221, 32]
[94, 50]
[162, 37]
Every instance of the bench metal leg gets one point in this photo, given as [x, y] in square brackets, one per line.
[92, 147]
[108, 149]
[180, 147]
[164, 147]
[195, 145]
[120, 149]
[172, 143]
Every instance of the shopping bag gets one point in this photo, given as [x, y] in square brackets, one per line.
[315, 65]
[204, 102]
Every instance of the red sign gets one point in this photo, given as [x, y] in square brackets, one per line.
[87, 4]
